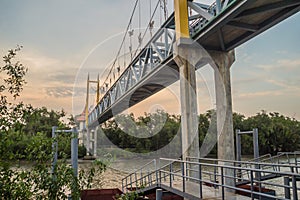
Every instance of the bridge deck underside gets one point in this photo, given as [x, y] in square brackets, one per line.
[238, 23]
[163, 76]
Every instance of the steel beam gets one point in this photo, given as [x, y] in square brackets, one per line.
[278, 17]
[244, 26]
[158, 51]
[269, 7]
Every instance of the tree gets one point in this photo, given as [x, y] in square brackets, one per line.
[10, 88]
[276, 132]
[15, 118]
[41, 120]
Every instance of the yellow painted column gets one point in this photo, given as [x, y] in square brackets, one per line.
[181, 19]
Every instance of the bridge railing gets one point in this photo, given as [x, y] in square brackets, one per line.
[154, 53]
[285, 184]
[291, 157]
[145, 176]
[262, 164]
[179, 174]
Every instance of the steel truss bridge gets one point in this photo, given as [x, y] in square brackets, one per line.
[222, 26]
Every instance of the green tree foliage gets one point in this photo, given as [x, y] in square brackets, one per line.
[276, 132]
[11, 85]
[25, 134]
[41, 120]
[147, 133]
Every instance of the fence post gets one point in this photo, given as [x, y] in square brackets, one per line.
[135, 177]
[200, 181]
[238, 151]
[296, 162]
[256, 152]
[159, 179]
[287, 193]
[159, 194]
[74, 151]
[183, 176]
[294, 187]
[171, 169]
[156, 172]
[130, 178]
[126, 183]
[215, 174]
[141, 179]
[149, 178]
[252, 184]
[222, 183]
[54, 148]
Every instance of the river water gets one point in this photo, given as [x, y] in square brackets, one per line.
[112, 177]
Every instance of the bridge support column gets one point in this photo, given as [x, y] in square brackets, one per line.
[188, 99]
[223, 62]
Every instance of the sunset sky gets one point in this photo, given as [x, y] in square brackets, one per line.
[67, 39]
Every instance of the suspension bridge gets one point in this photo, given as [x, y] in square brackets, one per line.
[194, 35]
[216, 27]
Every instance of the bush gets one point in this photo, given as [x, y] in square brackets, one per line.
[81, 151]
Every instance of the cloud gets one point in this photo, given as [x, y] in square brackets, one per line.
[66, 77]
[289, 64]
[284, 84]
[282, 52]
[259, 94]
[59, 92]
[281, 65]
[242, 81]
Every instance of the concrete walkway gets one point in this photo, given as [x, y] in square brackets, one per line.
[192, 191]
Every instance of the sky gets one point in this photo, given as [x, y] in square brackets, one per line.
[65, 40]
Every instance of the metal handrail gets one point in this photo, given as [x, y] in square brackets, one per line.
[253, 180]
[260, 158]
[246, 162]
[167, 174]
[234, 167]
[136, 180]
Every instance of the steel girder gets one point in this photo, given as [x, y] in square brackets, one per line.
[154, 54]
[221, 26]
[157, 50]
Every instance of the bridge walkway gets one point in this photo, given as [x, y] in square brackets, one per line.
[214, 27]
[203, 180]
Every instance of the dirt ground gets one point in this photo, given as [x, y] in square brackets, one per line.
[113, 178]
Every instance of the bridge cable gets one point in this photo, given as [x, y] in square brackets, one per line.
[123, 41]
[148, 27]
[140, 21]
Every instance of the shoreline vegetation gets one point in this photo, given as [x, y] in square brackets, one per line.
[25, 135]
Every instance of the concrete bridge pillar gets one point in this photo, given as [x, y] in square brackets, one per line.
[223, 62]
[183, 54]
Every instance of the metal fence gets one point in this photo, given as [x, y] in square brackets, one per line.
[179, 176]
